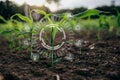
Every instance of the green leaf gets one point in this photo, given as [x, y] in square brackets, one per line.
[118, 17]
[23, 33]
[6, 32]
[87, 13]
[1, 18]
[43, 13]
[64, 17]
[54, 31]
[24, 18]
[39, 12]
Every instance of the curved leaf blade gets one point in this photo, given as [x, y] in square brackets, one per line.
[87, 13]
[24, 18]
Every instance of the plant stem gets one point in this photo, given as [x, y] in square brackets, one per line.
[11, 42]
[51, 58]
[52, 44]
[31, 42]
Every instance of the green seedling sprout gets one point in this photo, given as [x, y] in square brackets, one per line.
[11, 30]
[118, 17]
[118, 22]
[65, 17]
[53, 32]
[104, 24]
[89, 13]
[19, 33]
[31, 26]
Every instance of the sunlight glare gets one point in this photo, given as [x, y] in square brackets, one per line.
[30, 2]
[53, 6]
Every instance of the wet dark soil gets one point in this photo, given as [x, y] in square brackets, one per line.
[98, 60]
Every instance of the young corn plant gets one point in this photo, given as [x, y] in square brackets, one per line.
[20, 34]
[10, 31]
[53, 31]
[118, 18]
[89, 13]
[101, 26]
[2, 25]
[53, 25]
[30, 23]
[118, 22]
[105, 24]
[65, 17]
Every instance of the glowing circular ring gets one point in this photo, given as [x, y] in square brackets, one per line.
[52, 47]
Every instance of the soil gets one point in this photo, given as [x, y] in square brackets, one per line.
[98, 60]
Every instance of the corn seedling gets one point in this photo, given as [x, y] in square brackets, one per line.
[31, 26]
[54, 25]
[10, 30]
[118, 22]
[20, 34]
[118, 17]
[53, 28]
